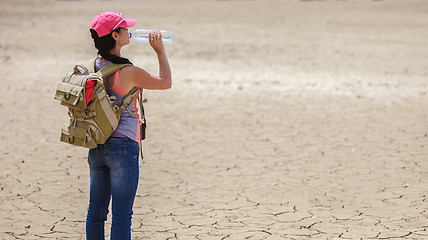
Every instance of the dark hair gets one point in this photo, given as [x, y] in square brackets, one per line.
[105, 44]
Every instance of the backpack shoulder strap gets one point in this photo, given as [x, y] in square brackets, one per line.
[129, 98]
[107, 71]
[110, 69]
[91, 65]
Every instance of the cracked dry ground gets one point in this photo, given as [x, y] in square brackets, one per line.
[352, 175]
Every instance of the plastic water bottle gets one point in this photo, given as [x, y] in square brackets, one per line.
[142, 35]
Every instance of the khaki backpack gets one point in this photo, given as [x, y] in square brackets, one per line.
[93, 123]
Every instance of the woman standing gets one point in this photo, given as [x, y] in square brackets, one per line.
[114, 165]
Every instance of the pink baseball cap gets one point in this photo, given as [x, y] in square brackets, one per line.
[104, 23]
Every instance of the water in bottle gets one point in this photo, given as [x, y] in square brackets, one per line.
[142, 35]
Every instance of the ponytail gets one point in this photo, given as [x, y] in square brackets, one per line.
[105, 44]
[113, 58]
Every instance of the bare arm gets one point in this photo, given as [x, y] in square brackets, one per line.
[141, 78]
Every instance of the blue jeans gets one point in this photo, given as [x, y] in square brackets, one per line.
[114, 174]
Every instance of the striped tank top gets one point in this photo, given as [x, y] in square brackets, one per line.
[129, 123]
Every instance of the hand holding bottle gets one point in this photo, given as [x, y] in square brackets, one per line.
[155, 40]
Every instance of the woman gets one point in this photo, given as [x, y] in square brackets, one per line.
[114, 165]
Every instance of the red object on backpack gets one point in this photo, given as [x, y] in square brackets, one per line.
[89, 90]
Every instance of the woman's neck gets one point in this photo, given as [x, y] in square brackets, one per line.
[115, 50]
